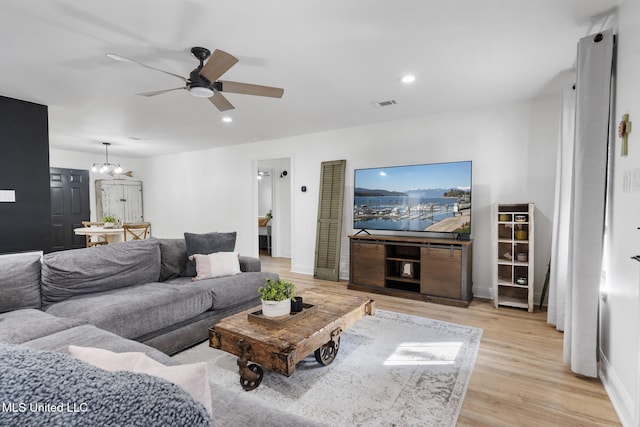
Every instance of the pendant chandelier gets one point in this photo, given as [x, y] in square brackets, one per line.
[106, 167]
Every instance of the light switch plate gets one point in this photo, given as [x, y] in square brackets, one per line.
[635, 180]
[7, 196]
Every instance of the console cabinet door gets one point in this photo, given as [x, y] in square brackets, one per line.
[367, 264]
[441, 271]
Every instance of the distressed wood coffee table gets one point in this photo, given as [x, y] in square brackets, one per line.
[281, 347]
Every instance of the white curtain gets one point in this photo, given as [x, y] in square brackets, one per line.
[561, 253]
[580, 205]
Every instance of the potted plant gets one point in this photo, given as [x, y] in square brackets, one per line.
[276, 296]
[109, 221]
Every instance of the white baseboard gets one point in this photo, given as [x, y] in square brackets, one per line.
[302, 269]
[481, 292]
[623, 404]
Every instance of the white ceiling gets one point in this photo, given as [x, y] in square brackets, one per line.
[334, 58]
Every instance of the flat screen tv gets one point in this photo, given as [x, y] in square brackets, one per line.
[433, 197]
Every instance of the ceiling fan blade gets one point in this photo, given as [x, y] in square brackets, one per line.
[123, 59]
[221, 102]
[158, 92]
[217, 64]
[249, 89]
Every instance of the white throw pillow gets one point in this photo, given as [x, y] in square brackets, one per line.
[217, 264]
[192, 378]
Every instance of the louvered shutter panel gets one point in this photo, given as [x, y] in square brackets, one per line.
[329, 226]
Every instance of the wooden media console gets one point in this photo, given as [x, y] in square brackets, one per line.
[427, 269]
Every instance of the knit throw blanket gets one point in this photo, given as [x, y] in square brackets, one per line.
[39, 388]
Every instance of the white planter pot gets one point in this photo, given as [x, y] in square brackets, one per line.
[276, 308]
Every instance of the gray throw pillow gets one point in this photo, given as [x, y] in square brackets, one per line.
[173, 258]
[206, 244]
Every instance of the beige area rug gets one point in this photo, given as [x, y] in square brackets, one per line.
[392, 369]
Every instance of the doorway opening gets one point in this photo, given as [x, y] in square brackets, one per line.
[274, 207]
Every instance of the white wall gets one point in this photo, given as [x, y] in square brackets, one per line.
[283, 210]
[620, 304]
[513, 149]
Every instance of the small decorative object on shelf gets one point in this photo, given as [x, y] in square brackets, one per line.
[520, 233]
[513, 255]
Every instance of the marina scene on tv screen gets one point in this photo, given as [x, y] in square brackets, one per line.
[430, 197]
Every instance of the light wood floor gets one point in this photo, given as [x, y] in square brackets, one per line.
[519, 378]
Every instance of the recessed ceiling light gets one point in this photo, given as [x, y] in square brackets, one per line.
[227, 119]
[408, 79]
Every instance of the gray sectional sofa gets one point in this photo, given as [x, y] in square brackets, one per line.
[124, 297]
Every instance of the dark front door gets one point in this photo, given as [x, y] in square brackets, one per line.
[69, 207]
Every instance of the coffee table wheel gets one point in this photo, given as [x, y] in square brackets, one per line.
[326, 354]
[256, 373]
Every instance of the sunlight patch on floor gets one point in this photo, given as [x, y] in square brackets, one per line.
[424, 353]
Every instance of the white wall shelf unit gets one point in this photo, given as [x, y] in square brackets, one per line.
[513, 253]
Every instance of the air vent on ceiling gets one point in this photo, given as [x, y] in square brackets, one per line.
[384, 103]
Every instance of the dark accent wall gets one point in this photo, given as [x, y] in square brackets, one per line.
[25, 224]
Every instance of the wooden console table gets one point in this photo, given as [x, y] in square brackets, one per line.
[436, 270]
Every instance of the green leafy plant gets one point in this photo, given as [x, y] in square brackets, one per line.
[277, 290]
[109, 218]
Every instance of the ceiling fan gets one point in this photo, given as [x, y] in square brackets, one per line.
[203, 80]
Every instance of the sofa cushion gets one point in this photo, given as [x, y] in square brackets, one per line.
[76, 272]
[136, 310]
[28, 324]
[234, 290]
[90, 336]
[78, 393]
[20, 281]
[207, 244]
[173, 258]
[229, 291]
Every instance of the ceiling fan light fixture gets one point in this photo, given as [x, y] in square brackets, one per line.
[203, 80]
[201, 91]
